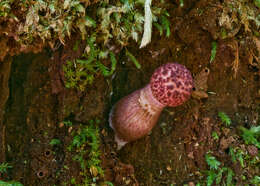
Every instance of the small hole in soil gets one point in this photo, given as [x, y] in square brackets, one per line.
[42, 13]
[206, 70]
[227, 150]
[40, 174]
[193, 88]
[252, 68]
[47, 153]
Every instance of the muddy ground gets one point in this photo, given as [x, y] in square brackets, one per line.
[34, 103]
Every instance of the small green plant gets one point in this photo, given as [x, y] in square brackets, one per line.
[4, 167]
[213, 51]
[215, 135]
[55, 142]
[255, 180]
[212, 161]
[133, 59]
[86, 143]
[237, 154]
[163, 24]
[250, 136]
[81, 72]
[67, 123]
[10, 183]
[257, 3]
[181, 3]
[108, 183]
[5, 8]
[224, 118]
[216, 172]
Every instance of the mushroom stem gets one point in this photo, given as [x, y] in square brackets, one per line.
[139, 112]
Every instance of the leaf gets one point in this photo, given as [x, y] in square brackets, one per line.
[147, 35]
[4, 167]
[108, 183]
[249, 136]
[215, 135]
[229, 177]
[90, 22]
[105, 71]
[232, 154]
[77, 141]
[159, 27]
[166, 25]
[55, 142]
[212, 161]
[255, 180]
[257, 3]
[219, 176]
[10, 183]
[224, 118]
[80, 8]
[255, 130]
[133, 59]
[213, 51]
[113, 62]
[211, 177]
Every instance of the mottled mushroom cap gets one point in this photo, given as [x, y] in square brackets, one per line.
[172, 84]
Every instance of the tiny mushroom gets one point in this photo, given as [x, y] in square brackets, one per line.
[135, 115]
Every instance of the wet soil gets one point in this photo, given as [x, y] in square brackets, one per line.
[174, 152]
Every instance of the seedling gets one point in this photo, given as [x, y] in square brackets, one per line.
[10, 183]
[215, 135]
[255, 180]
[224, 118]
[86, 143]
[55, 142]
[4, 167]
[250, 135]
[212, 162]
[163, 24]
[133, 59]
[213, 51]
[216, 172]
[237, 154]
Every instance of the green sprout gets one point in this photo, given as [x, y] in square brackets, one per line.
[212, 161]
[213, 51]
[133, 59]
[86, 142]
[250, 136]
[181, 3]
[224, 118]
[163, 24]
[216, 172]
[4, 167]
[55, 142]
[257, 3]
[10, 183]
[215, 135]
[255, 180]
[237, 154]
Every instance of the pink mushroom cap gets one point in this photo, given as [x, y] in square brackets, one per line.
[171, 84]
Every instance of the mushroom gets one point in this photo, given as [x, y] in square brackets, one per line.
[135, 115]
